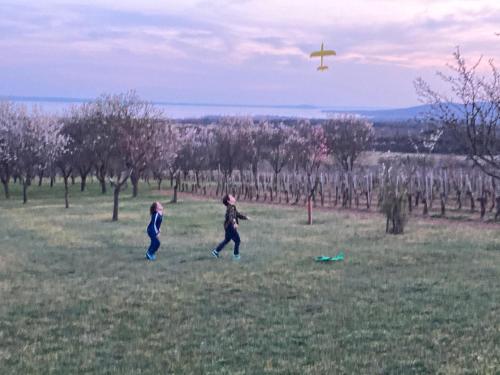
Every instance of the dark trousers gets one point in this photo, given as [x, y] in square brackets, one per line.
[231, 234]
[155, 243]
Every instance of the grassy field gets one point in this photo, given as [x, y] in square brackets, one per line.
[77, 296]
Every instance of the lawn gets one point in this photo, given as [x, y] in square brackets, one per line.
[76, 295]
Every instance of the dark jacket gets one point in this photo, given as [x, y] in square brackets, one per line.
[232, 216]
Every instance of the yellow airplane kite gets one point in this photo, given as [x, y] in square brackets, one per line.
[323, 52]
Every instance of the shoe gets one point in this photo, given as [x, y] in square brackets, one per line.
[215, 254]
[150, 257]
[236, 257]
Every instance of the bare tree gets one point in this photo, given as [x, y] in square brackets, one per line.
[65, 164]
[10, 116]
[194, 152]
[243, 141]
[347, 137]
[309, 152]
[229, 138]
[104, 146]
[167, 159]
[144, 140]
[471, 110]
[80, 128]
[132, 125]
[260, 136]
[393, 195]
[278, 149]
[41, 142]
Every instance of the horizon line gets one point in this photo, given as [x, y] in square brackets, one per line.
[64, 99]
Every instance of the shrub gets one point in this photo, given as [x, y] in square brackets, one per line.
[393, 202]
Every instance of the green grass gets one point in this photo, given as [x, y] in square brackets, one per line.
[77, 297]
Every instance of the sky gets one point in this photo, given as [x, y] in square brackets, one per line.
[240, 51]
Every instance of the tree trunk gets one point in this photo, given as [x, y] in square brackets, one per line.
[116, 196]
[134, 178]
[174, 197]
[497, 214]
[5, 183]
[66, 200]
[176, 187]
[275, 186]
[426, 208]
[322, 198]
[396, 217]
[83, 182]
[197, 176]
[255, 175]
[309, 211]
[472, 203]
[103, 186]
[135, 188]
[101, 176]
[493, 191]
[352, 188]
[482, 202]
[25, 192]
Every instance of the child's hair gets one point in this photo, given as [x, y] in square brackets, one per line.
[153, 208]
[225, 200]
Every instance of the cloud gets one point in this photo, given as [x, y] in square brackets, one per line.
[255, 28]
[192, 42]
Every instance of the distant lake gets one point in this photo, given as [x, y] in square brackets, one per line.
[182, 111]
[199, 110]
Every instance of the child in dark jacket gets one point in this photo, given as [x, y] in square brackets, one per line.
[153, 230]
[230, 226]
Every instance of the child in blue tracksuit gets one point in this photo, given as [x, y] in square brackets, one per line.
[230, 227]
[153, 230]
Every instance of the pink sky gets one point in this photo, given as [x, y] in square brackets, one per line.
[241, 51]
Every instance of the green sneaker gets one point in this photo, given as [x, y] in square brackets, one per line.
[236, 257]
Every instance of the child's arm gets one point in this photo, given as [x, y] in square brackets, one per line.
[239, 215]
[158, 220]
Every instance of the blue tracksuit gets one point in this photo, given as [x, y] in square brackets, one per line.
[153, 230]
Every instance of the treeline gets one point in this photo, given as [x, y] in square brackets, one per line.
[410, 137]
[388, 136]
[121, 138]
